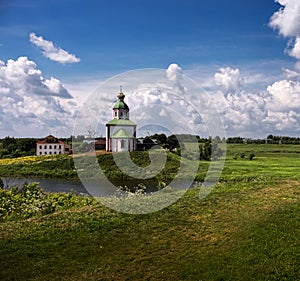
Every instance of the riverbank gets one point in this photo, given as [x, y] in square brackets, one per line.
[267, 162]
[62, 166]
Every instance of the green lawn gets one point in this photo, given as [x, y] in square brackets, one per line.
[246, 229]
[270, 162]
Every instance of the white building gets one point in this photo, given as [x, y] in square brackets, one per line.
[120, 131]
[52, 146]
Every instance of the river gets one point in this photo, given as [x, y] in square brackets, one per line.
[102, 188]
[58, 185]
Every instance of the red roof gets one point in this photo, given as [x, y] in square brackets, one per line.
[45, 142]
[53, 139]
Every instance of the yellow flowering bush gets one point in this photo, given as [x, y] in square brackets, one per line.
[30, 159]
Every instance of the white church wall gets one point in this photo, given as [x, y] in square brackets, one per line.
[122, 145]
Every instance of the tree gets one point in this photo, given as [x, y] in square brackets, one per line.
[161, 139]
[148, 142]
[205, 151]
[7, 141]
[172, 142]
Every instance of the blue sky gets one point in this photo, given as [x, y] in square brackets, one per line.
[108, 37]
[115, 36]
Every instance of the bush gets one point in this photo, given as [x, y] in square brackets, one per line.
[251, 156]
[30, 200]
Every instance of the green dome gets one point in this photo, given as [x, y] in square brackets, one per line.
[121, 105]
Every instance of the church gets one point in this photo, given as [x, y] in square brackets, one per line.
[120, 131]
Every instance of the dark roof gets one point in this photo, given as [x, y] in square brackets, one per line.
[121, 105]
[50, 139]
[45, 141]
[102, 141]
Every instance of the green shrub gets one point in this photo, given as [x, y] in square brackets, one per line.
[251, 156]
[30, 200]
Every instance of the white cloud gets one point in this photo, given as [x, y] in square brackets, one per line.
[228, 80]
[291, 74]
[287, 22]
[250, 113]
[21, 77]
[294, 50]
[32, 105]
[287, 19]
[52, 52]
[246, 111]
[285, 122]
[243, 113]
[285, 96]
[29, 103]
[174, 74]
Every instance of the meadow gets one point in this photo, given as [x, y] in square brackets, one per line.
[247, 228]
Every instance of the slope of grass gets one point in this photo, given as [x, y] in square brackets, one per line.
[239, 232]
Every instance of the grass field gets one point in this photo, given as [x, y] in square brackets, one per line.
[246, 229]
[270, 162]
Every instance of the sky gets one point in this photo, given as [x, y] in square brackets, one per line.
[244, 54]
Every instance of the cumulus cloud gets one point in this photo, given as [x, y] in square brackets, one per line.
[285, 96]
[287, 22]
[21, 77]
[275, 109]
[287, 19]
[285, 122]
[228, 79]
[174, 74]
[29, 103]
[245, 111]
[283, 102]
[52, 52]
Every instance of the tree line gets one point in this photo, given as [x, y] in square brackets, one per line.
[11, 147]
[270, 139]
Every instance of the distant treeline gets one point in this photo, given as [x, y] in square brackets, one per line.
[172, 140]
[11, 147]
[270, 139]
